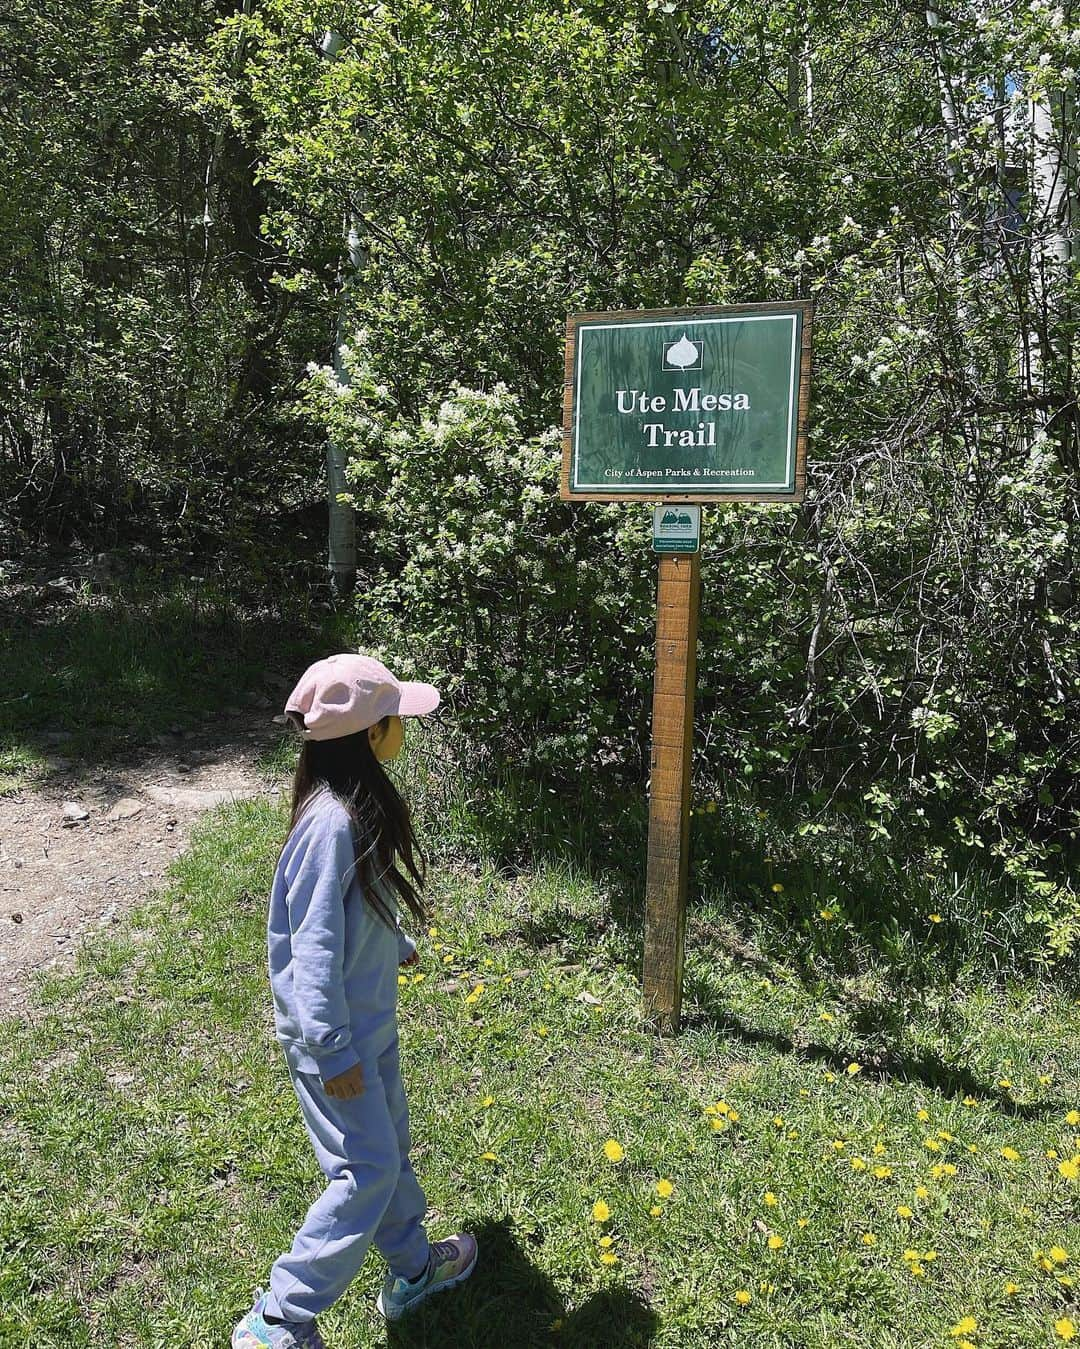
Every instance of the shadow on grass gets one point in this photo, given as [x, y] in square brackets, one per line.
[508, 1302]
[929, 1069]
[96, 673]
[757, 887]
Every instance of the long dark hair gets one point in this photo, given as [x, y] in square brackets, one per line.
[382, 825]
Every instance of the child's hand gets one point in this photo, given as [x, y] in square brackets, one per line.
[347, 1084]
[413, 959]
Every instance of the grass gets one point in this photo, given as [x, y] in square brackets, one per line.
[874, 1072]
[105, 672]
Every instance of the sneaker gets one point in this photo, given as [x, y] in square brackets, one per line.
[451, 1261]
[254, 1333]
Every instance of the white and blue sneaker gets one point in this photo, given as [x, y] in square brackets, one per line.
[450, 1262]
[253, 1332]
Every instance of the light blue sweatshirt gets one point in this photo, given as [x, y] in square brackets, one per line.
[333, 961]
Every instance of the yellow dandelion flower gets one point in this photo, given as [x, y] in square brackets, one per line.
[869, 1239]
[719, 1125]
[853, 1068]
[857, 1164]
[778, 1121]
[1010, 1154]
[1011, 1289]
[608, 1258]
[945, 1136]
[883, 1172]
[970, 1101]
[1004, 1082]
[488, 1157]
[935, 917]
[722, 1107]
[775, 1242]
[829, 1077]
[665, 1189]
[733, 1116]
[1045, 1079]
[488, 1100]
[1070, 1169]
[917, 1269]
[826, 1016]
[911, 1254]
[778, 889]
[655, 1211]
[448, 960]
[605, 1242]
[600, 1212]
[967, 1325]
[921, 1192]
[838, 1145]
[972, 1147]
[613, 1151]
[771, 1199]
[1059, 1255]
[879, 1149]
[743, 1298]
[931, 1144]
[904, 1211]
[402, 979]
[802, 1222]
[922, 1114]
[1065, 1329]
[929, 1255]
[1073, 1118]
[1052, 1154]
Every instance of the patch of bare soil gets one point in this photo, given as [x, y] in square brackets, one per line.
[90, 841]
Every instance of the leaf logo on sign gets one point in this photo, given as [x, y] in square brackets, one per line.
[683, 353]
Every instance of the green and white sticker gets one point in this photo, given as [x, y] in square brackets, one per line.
[676, 529]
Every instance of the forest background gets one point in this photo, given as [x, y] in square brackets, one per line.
[244, 242]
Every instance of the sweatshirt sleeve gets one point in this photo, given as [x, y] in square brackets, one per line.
[406, 945]
[317, 879]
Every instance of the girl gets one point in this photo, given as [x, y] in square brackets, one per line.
[334, 947]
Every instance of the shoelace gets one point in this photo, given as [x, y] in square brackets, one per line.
[443, 1250]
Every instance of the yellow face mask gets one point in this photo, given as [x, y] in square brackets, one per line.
[386, 744]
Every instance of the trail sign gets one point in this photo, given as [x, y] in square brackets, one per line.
[682, 406]
[705, 404]
[676, 528]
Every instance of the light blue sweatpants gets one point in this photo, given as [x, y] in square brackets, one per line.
[362, 1146]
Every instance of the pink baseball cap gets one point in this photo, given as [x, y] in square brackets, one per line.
[348, 693]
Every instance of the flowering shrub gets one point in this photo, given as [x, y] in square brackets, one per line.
[534, 616]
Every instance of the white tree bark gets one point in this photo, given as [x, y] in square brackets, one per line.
[1052, 219]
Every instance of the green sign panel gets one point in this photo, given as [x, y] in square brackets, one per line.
[702, 403]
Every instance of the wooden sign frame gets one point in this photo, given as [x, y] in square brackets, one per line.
[574, 321]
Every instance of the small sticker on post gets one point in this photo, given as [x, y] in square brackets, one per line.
[676, 529]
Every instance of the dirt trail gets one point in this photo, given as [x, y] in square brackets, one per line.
[63, 877]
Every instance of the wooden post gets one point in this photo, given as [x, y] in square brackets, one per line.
[678, 595]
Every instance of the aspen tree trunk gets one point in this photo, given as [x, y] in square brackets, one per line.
[341, 537]
[1053, 212]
